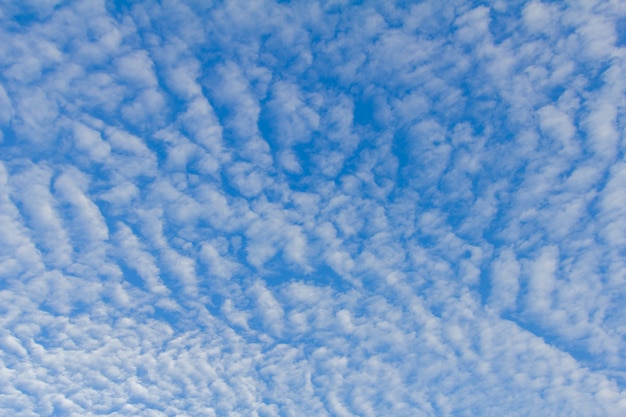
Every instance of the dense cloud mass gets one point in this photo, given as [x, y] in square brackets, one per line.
[312, 208]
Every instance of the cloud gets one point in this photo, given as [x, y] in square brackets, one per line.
[136, 68]
[538, 16]
[328, 208]
[505, 281]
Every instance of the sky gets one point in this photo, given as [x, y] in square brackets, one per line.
[312, 208]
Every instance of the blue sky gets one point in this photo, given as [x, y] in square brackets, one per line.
[333, 208]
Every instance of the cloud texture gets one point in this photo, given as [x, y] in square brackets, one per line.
[323, 208]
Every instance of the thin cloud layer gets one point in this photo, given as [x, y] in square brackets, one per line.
[317, 208]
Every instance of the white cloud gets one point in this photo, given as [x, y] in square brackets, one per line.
[504, 281]
[542, 281]
[214, 254]
[200, 120]
[602, 131]
[19, 254]
[35, 116]
[42, 214]
[612, 203]
[87, 219]
[90, 142]
[473, 25]
[146, 109]
[558, 126]
[136, 258]
[136, 68]
[538, 16]
[299, 209]
[294, 119]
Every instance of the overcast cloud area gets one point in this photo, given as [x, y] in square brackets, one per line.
[334, 208]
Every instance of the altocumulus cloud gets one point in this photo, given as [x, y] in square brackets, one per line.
[321, 208]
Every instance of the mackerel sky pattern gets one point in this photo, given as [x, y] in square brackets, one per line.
[312, 208]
